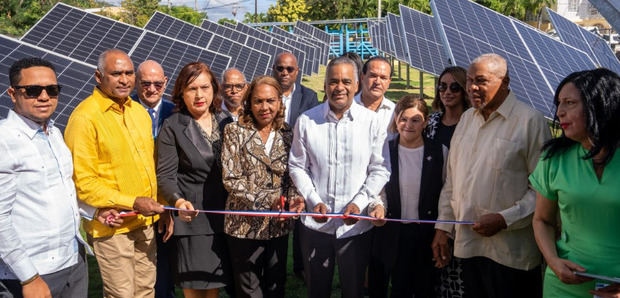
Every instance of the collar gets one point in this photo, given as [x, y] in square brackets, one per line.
[351, 113]
[27, 126]
[224, 107]
[504, 110]
[106, 103]
[385, 103]
[157, 107]
[290, 96]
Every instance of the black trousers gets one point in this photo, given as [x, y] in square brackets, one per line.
[485, 278]
[164, 284]
[410, 269]
[298, 260]
[259, 266]
[322, 251]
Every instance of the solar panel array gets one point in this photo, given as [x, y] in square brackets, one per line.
[309, 50]
[536, 62]
[580, 38]
[610, 10]
[76, 78]
[422, 42]
[90, 34]
[321, 38]
[380, 37]
[395, 33]
[310, 43]
[304, 64]
[249, 61]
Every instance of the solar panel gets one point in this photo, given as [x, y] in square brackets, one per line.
[585, 40]
[422, 42]
[323, 38]
[395, 30]
[249, 61]
[250, 41]
[372, 32]
[536, 62]
[229, 25]
[77, 34]
[314, 48]
[299, 53]
[383, 40]
[90, 34]
[610, 10]
[307, 49]
[76, 78]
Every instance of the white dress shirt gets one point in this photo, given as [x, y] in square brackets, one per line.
[337, 162]
[225, 108]
[286, 100]
[39, 214]
[155, 114]
[385, 111]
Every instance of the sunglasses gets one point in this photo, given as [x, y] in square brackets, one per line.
[454, 87]
[33, 91]
[289, 69]
[158, 84]
[233, 86]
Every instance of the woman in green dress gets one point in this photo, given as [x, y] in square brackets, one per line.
[578, 176]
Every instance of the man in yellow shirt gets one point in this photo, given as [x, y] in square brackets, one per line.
[110, 138]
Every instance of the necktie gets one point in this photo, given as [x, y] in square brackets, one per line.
[153, 121]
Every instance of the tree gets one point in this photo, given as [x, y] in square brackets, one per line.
[184, 13]
[138, 12]
[226, 20]
[517, 8]
[248, 17]
[287, 11]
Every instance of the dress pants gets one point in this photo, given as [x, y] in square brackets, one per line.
[485, 278]
[322, 251]
[259, 266]
[66, 283]
[164, 284]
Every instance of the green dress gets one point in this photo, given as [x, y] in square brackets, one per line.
[590, 214]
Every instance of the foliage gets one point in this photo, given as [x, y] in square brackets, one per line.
[226, 20]
[248, 17]
[184, 13]
[17, 16]
[287, 11]
[138, 12]
[517, 8]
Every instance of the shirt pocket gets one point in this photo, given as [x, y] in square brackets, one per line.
[505, 155]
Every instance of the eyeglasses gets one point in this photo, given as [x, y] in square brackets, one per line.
[454, 87]
[158, 84]
[33, 91]
[289, 69]
[235, 86]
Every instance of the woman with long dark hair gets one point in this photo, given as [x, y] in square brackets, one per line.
[577, 176]
[189, 175]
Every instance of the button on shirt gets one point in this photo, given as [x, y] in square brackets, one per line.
[488, 168]
[39, 214]
[337, 162]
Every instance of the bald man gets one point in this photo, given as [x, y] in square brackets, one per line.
[494, 149]
[151, 83]
[295, 97]
[233, 88]
[111, 143]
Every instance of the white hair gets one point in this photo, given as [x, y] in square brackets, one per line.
[496, 63]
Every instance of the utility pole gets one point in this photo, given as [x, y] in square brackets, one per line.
[378, 8]
[255, 11]
[169, 6]
[196, 5]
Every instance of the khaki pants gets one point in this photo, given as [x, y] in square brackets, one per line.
[127, 263]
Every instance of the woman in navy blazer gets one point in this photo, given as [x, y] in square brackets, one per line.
[402, 252]
[189, 175]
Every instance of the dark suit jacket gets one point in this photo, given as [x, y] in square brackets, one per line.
[303, 100]
[165, 112]
[187, 168]
[385, 239]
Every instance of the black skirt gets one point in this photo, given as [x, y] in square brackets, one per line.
[202, 262]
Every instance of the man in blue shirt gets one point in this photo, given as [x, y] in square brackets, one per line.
[42, 252]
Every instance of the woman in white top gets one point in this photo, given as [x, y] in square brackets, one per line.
[402, 252]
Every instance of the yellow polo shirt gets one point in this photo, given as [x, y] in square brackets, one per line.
[113, 159]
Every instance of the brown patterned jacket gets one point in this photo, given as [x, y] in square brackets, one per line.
[255, 180]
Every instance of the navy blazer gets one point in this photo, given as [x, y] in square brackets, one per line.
[187, 167]
[385, 239]
[303, 100]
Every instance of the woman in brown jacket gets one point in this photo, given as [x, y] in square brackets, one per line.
[255, 173]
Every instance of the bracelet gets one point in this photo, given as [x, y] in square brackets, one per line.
[25, 282]
[96, 214]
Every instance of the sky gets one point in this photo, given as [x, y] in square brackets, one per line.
[224, 7]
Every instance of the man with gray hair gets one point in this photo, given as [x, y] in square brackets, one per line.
[233, 88]
[495, 147]
[338, 162]
[111, 142]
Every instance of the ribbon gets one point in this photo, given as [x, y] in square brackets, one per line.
[312, 214]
